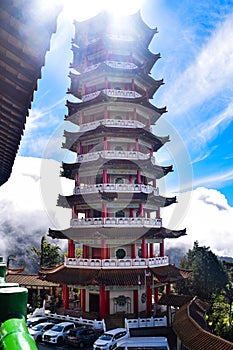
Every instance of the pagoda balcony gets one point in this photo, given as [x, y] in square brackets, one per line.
[116, 263]
[112, 154]
[112, 187]
[113, 123]
[116, 221]
[112, 64]
[112, 93]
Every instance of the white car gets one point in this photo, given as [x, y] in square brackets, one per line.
[32, 321]
[109, 339]
[38, 330]
[56, 335]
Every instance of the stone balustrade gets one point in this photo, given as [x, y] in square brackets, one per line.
[109, 154]
[115, 221]
[116, 263]
[111, 187]
[111, 122]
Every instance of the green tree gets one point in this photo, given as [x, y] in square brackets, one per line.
[49, 255]
[208, 276]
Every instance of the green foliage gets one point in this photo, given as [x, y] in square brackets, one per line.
[208, 276]
[48, 255]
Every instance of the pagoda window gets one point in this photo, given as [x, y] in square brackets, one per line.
[118, 117]
[120, 214]
[97, 214]
[118, 148]
[119, 180]
[120, 253]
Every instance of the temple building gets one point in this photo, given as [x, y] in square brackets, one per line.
[116, 200]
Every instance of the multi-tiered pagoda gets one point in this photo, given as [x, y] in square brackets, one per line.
[116, 201]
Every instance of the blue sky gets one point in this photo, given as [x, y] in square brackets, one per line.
[195, 40]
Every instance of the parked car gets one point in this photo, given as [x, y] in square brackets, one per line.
[108, 340]
[145, 343]
[32, 321]
[38, 330]
[56, 335]
[81, 336]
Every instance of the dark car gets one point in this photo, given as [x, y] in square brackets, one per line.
[81, 336]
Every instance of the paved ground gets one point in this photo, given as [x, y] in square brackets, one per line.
[42, 346]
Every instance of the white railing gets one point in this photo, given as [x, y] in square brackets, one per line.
[112, 64]
[116, 263]
[90, 96]
[121, 65]
[110, 187]
[112, 154]
[113, 221]
[121, 93]
[111, 93]
[98, 325]
[113, 123]
[123, 37]
[146, 322]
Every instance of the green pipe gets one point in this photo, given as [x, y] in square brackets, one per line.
[2, 271]
[15, 336]
[13, 301]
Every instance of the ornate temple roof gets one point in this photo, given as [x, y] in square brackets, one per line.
[114, 277]
[78, 80]
[93, 235]
[29, 281]
[92, 199]
[73, 138]
[133, 24]
[190, 326]
[21, 60]
[75, 107]
[70, 169]
[149, 58]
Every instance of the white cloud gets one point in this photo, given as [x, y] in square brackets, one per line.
[208, 218]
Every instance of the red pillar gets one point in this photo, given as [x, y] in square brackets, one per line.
[83, 299]
[105, 176]
[168, 289]
[137, 145]
[148, 300]
[105, 143]
[74, 212]
[133, 85]
[161, 248]
[140, 210]
[71, 249]
[144, 248]
[77, 179]
[138, 176]
[107, 302]
[102, 302]
[104, 210]
[131, 212]
[103, 249]
[65, 296]
[152, 253]
[133, 251]
[135, 301]
[156, 294]
[85, 251]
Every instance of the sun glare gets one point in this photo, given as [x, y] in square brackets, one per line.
[83, 9]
